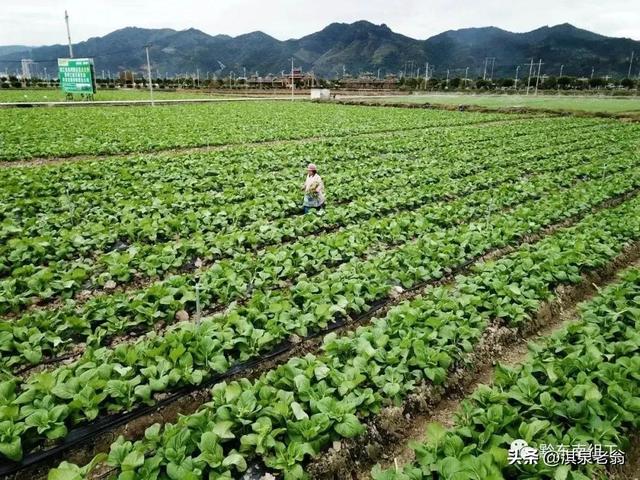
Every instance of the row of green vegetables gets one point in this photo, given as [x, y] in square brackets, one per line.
[579, 388]
[296, 410]
[231, 167]
[52, 237]
[49, 332]
[26, 133]
[130, 374]
[30, 282]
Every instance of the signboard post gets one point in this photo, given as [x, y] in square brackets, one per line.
[77, 75]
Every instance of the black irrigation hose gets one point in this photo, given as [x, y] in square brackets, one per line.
[85, 433]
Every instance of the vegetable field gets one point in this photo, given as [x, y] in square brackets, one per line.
[125, 94]
[596, 104]
[167, 312]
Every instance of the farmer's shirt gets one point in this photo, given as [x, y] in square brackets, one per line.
[313, 191]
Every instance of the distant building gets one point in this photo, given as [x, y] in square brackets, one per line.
[369, 81]
[126, 76]
[300, 79]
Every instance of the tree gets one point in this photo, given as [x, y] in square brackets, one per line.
[482, 84]
[627, 83]
[433, 83]
[549, 83]
[455, 82]
[564, 82]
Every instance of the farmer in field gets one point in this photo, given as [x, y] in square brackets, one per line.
[313, 189]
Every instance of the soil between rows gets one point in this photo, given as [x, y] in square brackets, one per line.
[388, 434]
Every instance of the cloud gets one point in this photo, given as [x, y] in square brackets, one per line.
[38, 22]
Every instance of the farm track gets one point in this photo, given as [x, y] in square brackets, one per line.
[131, 336]
[388, 433]
[188, 265]
[208, 148]
[352, 454]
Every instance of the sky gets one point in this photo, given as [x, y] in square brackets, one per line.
[41, 22]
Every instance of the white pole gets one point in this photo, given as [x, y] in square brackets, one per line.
[630, 64]
[517, 70]
[447, 78]
[149, 75]
[538, 75]
[426, 74]
[466, 75]
[66, 19]
[529, 79]
[561, 69]
[292, 84]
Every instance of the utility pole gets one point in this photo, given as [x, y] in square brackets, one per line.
[484, 73]
[561, 68]
[538, 75]
[426, 74]
[493, 62]
[378, 74]
[466, 74]
[593, 69]
[516, 83]
[292, 84]
[630, 64]
[530, 72]
[146, 47]
[66, 19]
[447, 78]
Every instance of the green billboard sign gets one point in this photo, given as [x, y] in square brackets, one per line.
[77, 75]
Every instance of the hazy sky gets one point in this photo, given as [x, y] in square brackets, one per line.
[37, 22]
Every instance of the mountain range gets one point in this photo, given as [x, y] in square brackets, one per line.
[343, 48]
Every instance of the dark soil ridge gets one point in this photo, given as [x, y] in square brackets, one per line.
[190, 401]
[624, 117]
[387, 433]
[35, 161]
[631, 468]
